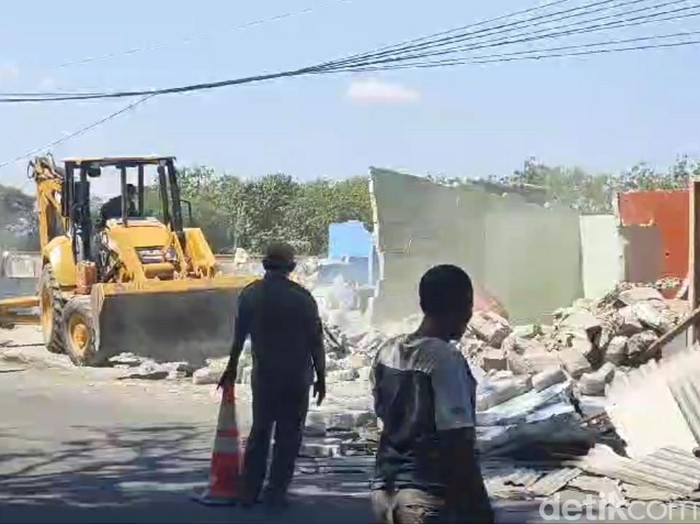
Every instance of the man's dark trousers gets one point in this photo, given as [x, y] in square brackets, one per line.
[283, 408]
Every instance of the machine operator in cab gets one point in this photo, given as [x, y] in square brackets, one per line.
[113, 207]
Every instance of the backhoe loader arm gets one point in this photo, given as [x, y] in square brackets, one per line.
[49, 182]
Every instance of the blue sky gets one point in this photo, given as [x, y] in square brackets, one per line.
[601, 113]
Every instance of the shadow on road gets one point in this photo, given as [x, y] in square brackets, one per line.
[144, 474]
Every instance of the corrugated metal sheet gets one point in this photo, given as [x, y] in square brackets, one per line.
[670, 469]
[646, 493]
[522, 477]
[554, 481]
[658, 405]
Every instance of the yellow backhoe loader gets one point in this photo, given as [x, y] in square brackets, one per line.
[134, 283]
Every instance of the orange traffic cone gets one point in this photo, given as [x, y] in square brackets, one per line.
[224, 475]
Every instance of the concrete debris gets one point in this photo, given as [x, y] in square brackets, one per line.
[651, 315]
[616, 352]
[150, 370]
[637, 347]
[494, 359]
[208, 375]
[574, 362]
[634, 295]
[527, 331]
[501, 391]
[490, 327]
[547, 378]
[554, 481]
[341, 375]
[585, 321]
[594, 383]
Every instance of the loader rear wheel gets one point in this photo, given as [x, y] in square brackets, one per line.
[51, 303]
[79, 332]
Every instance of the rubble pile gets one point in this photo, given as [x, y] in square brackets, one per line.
[590, 341]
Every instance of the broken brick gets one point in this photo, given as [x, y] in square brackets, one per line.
[574, 362]
[490, 327]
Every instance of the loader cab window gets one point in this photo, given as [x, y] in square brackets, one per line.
[112, 209]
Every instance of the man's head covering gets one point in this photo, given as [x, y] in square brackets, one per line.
[279, 256]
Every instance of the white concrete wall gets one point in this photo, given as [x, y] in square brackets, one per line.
[602, 251]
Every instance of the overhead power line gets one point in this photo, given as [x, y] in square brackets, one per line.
[19, 97]
[531, 36]
[438, 46]
[414, 53]
[74, 134]
[167, 43]
[608, 46]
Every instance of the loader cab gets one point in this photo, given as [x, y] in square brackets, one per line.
[76, 192]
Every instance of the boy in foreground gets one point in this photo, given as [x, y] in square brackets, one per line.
[424, 393]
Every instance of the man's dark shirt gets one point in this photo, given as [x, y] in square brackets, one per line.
[282, 320]
[113, 209]
[422, 389]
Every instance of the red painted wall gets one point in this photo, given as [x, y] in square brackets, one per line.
[669, 211]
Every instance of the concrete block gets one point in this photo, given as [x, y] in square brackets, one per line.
[607, 371]
[527, 331]
[637, 347]
[494, 359]
[616, 352]
[639, 294]
[500, 392]
[341, 375]
[490, 327]
[518, 364]
[580, 342]
[542, 360]
[591, 384]
[584, 320]
[318, 450]
[651, 315]
[207, 375]
[547, 378]
[574, 362]
[350, 420]
[630, 324]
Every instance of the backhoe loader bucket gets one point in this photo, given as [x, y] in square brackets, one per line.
[188, 320]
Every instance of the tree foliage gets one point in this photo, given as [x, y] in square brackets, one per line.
[250, 213]
[236, 212]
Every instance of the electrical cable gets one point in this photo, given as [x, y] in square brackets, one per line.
[353, 64]
[537, 53]
[636, 21]
[163, 44]
[79, 132]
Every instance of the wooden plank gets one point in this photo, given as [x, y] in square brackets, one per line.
[691, 320]
[694, 255]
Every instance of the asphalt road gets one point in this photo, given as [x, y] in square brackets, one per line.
[79, 446]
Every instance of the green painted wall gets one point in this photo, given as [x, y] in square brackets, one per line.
[527, 255]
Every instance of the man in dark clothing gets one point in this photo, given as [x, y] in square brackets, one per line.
[426, 468]
[282, 320]
[113, 207]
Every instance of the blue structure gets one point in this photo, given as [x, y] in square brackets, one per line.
[352, 246]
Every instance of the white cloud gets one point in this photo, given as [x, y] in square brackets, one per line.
[372, 91]
[8, 72]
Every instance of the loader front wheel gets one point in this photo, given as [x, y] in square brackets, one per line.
[51, 304]
[79, 332]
